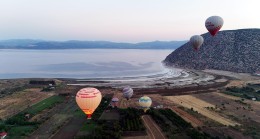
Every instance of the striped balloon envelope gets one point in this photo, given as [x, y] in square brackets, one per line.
[145, 102]
[88, 100]
[128, 92]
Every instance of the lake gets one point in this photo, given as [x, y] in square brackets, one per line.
[80, 63]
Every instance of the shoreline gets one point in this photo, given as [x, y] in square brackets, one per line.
[191, 81]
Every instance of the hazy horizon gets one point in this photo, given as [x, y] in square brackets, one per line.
[120, 21]
[92, 40]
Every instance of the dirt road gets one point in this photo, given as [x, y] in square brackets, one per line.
[154, 131]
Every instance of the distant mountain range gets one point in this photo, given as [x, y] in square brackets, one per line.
[74, 44]
[230, 50]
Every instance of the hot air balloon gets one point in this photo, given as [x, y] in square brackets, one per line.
[128, 92]
[114, 101]
[214, 24]
[145, 102]
[196, 41]
[88, 100]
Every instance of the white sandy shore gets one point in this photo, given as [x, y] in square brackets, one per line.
[169, 78]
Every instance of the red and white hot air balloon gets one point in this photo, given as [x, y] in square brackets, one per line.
[214, 24]
[196, 41]
[88, 100]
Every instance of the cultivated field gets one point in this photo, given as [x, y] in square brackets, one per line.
[199, 105]
[187, 117]
[19, 101]
[232, 106]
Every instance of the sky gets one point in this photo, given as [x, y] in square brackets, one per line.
[121, 20]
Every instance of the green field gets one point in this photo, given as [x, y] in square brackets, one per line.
[47, 103]
[18, 126]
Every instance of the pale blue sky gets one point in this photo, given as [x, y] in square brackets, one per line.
[121, 20]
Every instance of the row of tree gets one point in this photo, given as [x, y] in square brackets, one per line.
[130, 119]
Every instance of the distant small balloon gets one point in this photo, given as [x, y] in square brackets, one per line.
[114, 102]
[145, 102]
[196, 41]
[214, 24]
[88, 100]
[128, 92]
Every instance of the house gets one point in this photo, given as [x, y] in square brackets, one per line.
[3, 135]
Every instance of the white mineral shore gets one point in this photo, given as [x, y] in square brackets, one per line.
[168, 78]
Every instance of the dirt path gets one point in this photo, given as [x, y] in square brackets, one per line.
[153, 130]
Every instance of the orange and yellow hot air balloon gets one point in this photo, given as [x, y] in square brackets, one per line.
[88, 100]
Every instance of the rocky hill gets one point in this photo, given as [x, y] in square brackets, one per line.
[230, 50]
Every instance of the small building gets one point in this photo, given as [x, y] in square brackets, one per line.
[27, 116]
[257, 73]
[254, 99]
[160, 106]
[3, 135]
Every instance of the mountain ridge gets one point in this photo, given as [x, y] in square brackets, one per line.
[75, 44]
[230, 50]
